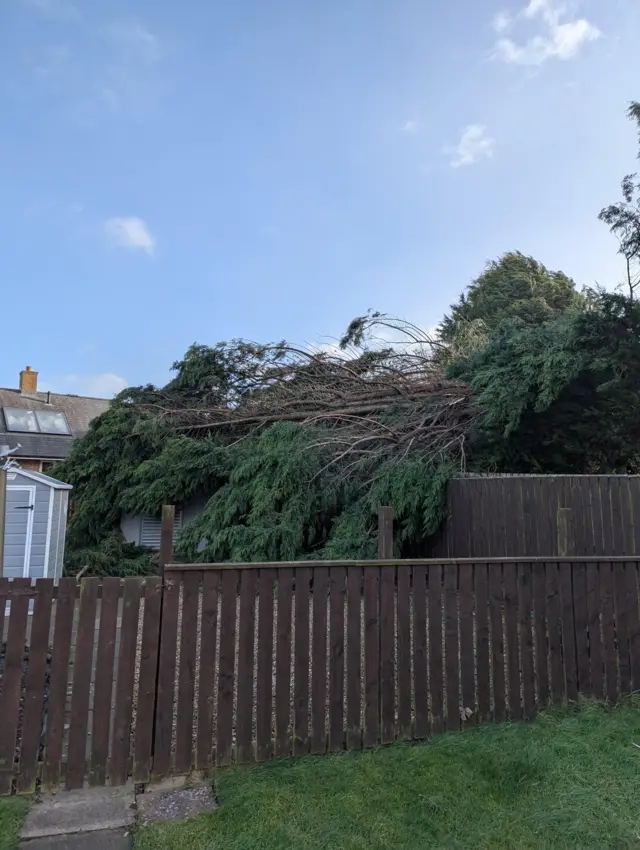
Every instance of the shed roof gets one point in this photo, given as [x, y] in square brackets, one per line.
[40, 478]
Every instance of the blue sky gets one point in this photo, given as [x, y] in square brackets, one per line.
[197, 171]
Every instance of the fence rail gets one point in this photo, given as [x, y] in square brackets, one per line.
[225, 663]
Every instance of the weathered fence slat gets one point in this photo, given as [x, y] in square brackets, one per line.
[596, 655]
[208, 647]
[452, 699]
[623, 602]
[354, 706]
[226, 670]
[467, 651]
[264, 698]
[283, 663]
[301, 662]
[581, 617]
[11, 683]
[336, 658]
[319, 661]
[568, 632]
[608, 631]
[371, 656]
[482, 641]
[244, 713]
[65, 607]
[525, 616]
[436, 670]
[420, 658]
[101, 724]
[187, 672]
[634, 624]
[166, 679]
[404, 652]
[539, 585]
[510, 576]
[145, 712]
[387, 661]
[81, 693]
[119, 763]
[35, 686]
[496, 602]
[554, 624]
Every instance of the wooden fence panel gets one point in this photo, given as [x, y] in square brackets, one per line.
[226, 670]
[436, 639]
[12, 680]
[354, 663]
[120, 746]
[81, 694]
[301, 740]
[65, 606]
[371, 656]
[101, 725]
[246, 633]
[283, 662]
[436, 644]
[421, 725]
[32, 720]
[336, 659]
[187, 672]
[496, 602]
[264, 694]
[166, 678]
[404, 652]
[147, 687]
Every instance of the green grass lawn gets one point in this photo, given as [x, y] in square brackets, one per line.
[569, 780]
[12, 812]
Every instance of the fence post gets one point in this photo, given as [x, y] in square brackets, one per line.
[385, 533]
[166, 538]
[165, 556]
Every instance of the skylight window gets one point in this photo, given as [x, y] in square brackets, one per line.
[35, 422]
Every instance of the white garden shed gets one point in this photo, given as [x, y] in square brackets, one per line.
[35, 525]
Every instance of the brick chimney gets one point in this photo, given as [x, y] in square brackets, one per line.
[28, 381]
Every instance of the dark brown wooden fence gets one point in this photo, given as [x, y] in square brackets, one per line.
[240, 663]
[521, 516]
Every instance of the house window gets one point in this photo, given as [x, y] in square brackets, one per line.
[151, 528]
[35, 422]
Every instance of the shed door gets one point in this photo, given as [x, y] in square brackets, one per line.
[18, 530]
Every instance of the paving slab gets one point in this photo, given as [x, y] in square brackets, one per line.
[110, 839]
[175, 805]
[88, 810]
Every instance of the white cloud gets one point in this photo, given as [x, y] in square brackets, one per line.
[136, 43]
[130, 233]
[410, 126]
[61, 9]
[556, 41]
[502, 22]
[474, 144]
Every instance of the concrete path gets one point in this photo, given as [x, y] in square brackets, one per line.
[110, 839]
[92, 818]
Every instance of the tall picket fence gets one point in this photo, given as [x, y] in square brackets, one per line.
[113, 679]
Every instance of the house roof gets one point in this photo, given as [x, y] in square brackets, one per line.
[79, 410]
[42, 479]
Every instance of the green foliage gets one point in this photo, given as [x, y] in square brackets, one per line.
[546, 391]
[513, 287]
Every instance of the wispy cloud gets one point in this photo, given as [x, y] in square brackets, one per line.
[410, 126]
[474, 144]
[559, 39]
[49, 60]
[136, 43]
[61, 9]
[131, 232]
[502, 22]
